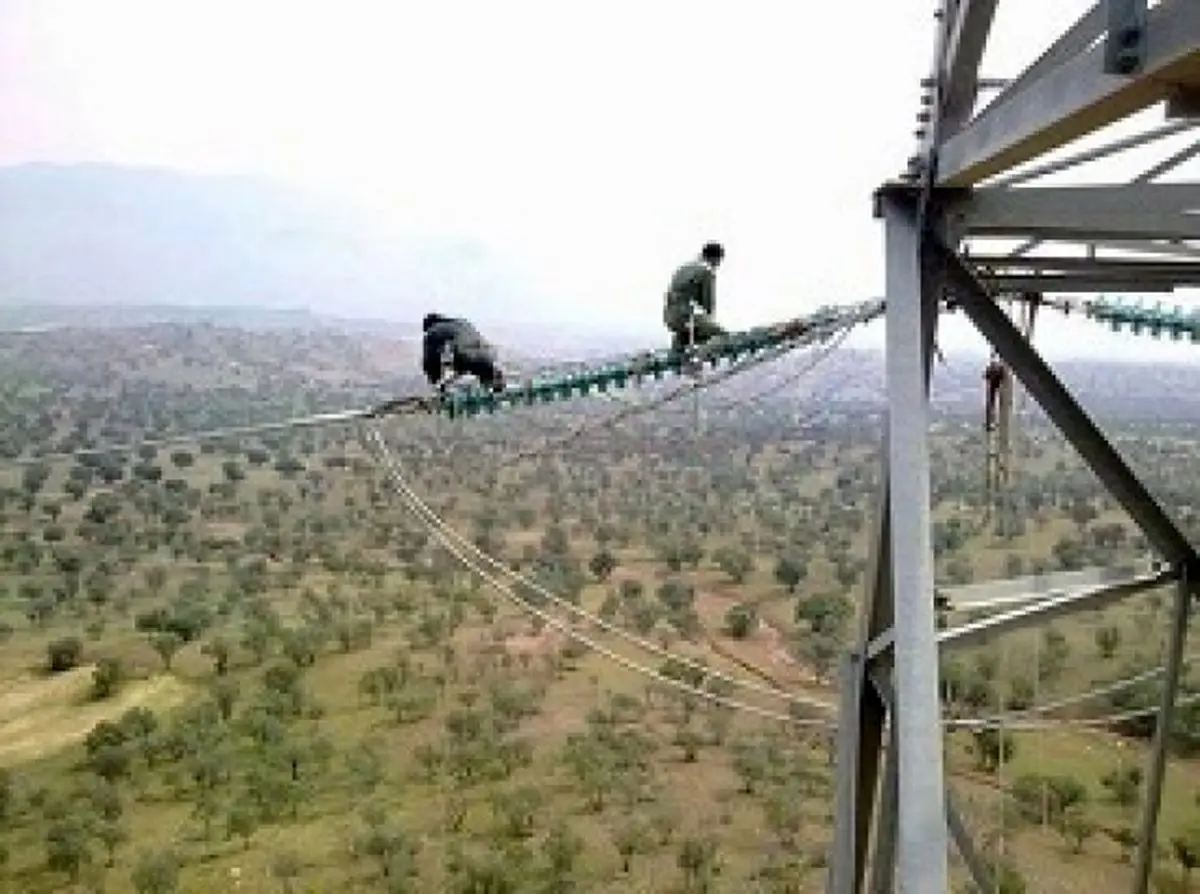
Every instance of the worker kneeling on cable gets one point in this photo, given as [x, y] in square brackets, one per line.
[453, 347]
[691, 300]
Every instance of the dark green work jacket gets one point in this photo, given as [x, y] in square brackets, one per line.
[694, 285]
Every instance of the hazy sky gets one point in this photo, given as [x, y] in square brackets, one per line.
[591, 146]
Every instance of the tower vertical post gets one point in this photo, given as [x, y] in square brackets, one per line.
[921, 852]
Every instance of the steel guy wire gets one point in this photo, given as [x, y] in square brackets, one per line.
[451, 546]
[444, 530]
[564, 627]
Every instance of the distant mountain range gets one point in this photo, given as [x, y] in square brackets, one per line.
[104, 245]
[35, 317]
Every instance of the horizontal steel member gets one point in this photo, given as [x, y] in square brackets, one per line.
[1073, 98]
[1029, 588]
[978, 632]
[1128, 211]
[997, 265]
[1083, 284]
[981, 631]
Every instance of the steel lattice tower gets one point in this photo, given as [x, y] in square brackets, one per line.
[895, 816]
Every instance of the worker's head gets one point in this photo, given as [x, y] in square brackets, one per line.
[713, 253]
[430, 321]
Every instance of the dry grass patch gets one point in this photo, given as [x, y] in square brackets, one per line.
[40, 716]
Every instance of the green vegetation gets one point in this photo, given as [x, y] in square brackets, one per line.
[244, 665]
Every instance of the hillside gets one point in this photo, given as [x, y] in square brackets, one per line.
[266, 663]
[85, 235]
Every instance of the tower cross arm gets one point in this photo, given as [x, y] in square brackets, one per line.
[1075, 98]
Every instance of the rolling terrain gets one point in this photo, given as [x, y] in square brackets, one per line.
[268, 663]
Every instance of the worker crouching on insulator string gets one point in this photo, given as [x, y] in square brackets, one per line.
[691, 300]
[454, 347]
